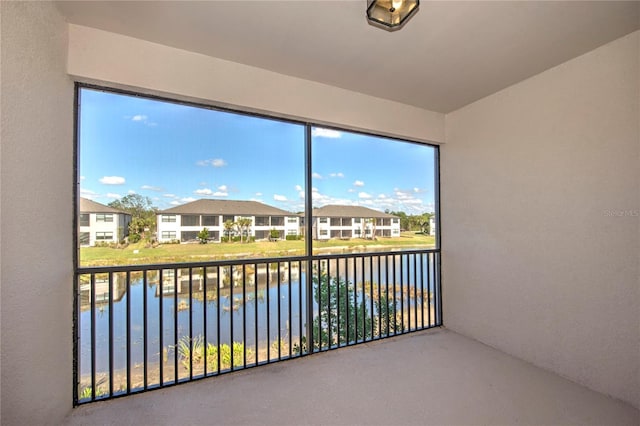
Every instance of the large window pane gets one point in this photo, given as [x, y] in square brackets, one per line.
[371, 193]
[171, 171]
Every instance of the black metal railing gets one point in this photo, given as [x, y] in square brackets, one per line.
[143, 327]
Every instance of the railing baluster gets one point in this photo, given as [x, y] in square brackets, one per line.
[205, 344]
[190, 324]
[161, 324]
[244, 315]
[93, 337]
[415, 291]
[290, 318]
[268, 314]
[175, 325]
[219, 307]
[128, 339]
[144, 331]
[300, 284]
[429, 289]
[279, 313]
[329, 336]
[371, 294]
[232, 305]
[255, 308]
[111, 345]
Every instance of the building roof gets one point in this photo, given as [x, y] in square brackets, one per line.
[333, 210]
[90, 206]
[227, 207]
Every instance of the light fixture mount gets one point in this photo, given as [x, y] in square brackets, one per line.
[391, 14]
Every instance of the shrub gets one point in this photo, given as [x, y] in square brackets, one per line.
[134, 238]
[293, 237]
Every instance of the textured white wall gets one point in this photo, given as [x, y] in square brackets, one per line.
[36, 208]
[103, 57]
[540, 220]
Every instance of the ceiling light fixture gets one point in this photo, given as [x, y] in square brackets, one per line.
[391, 14]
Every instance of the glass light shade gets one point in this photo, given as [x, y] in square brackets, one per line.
[391, 14]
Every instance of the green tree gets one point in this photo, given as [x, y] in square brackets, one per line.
[339, 315]
[228, 227]
[203, 236]
[142, 211]
[243, 224]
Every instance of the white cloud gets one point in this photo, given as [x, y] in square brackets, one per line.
[351, 190]
[279, 197]
[319, 132]
[364, 195]
[214, 162]
[298, 188]
[131, 192]
[301, 194]
[169, 195]
[187, 199]
[112, 180]
[175, 203]
[151, 188]
[141, 118]
[358, 183]
[258, 194]
[82, 178]
[382, 196]
[203, 191]
[220, 194]
[223, 188]
[87, 193]
[317, 176]
[416, 190]
[338, 175]
[114, 196]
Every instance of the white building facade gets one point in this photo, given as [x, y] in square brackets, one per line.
[185, 222]
[345, 222]
[98, 223]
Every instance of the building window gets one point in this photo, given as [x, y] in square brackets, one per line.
[209, 220]
[83, 238]
[190, 220]
[104, 236]
[188, 236]
[324, 232]
[104, 217]
[395, 220]
[357, 220]
[228, 218]
[292, 232]
[322, 220]
[292, 220]
[168, 235]
[262, 220]
[84, 219]
[277, 221]
[168, 218]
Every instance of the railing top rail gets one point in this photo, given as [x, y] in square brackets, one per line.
[232, 262]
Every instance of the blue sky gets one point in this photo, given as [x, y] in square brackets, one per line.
[176, 154]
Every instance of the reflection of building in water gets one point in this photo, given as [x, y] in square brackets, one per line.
[102, 290]
[224, 276]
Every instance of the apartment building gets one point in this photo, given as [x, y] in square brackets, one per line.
[101, 224]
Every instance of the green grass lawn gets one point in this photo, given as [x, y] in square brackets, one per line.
[136, 254]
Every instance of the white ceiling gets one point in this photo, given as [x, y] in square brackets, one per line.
[448, 55]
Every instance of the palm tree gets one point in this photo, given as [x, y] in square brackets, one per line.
[228, 227]
[244, 225]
